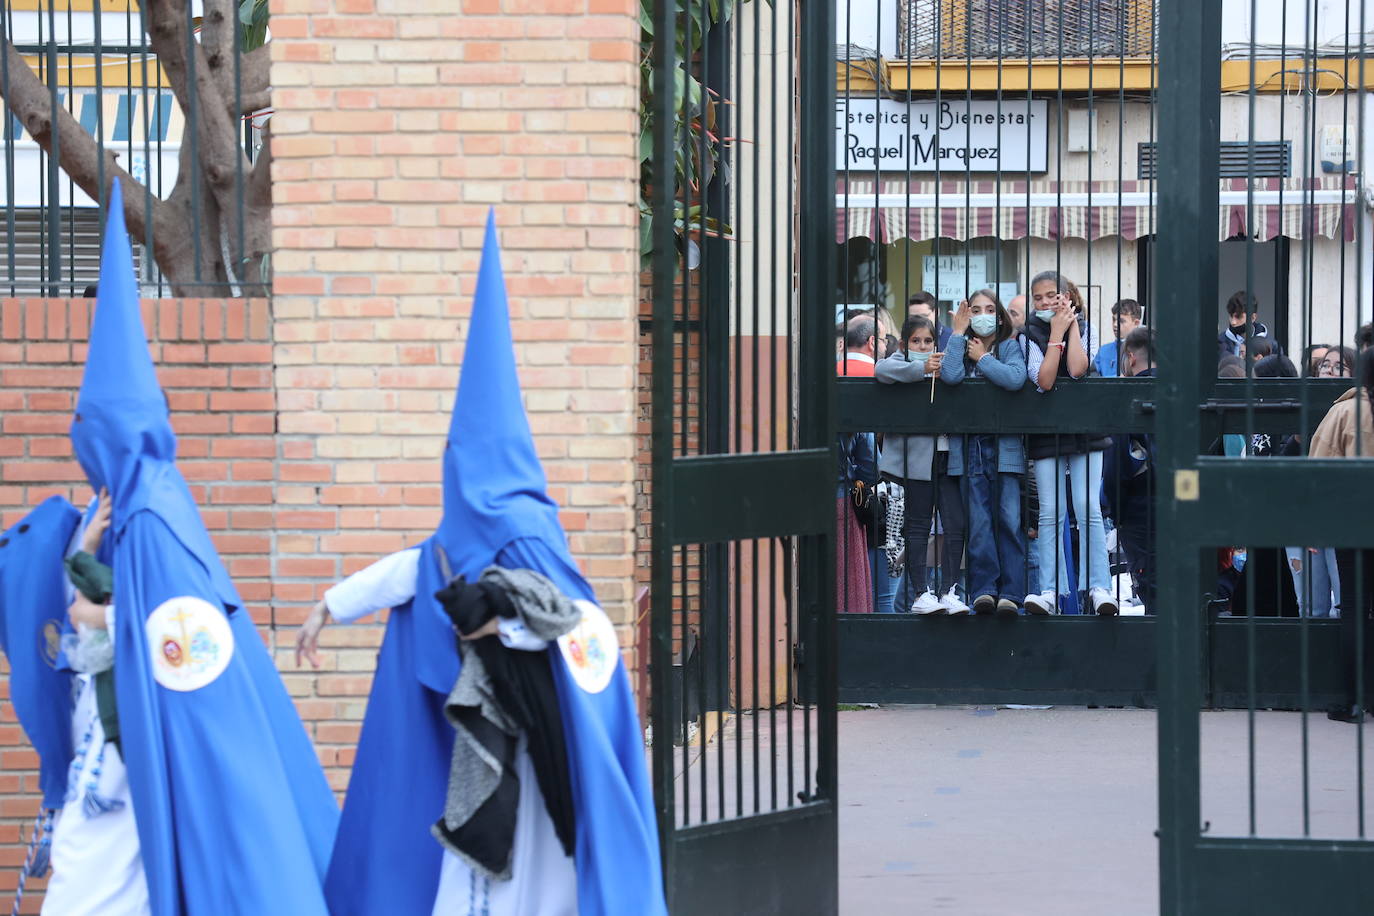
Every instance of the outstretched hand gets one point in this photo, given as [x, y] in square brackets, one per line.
[100, 522]
[308, 639]
[959, 318]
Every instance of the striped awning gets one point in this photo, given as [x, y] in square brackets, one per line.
[894, 208]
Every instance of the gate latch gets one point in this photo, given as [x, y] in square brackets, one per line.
[1186, 485]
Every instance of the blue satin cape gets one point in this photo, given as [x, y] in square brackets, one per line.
[33, 611]
[233, 811]
[496, 511]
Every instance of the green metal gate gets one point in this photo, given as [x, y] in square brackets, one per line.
[1320, 860]
[743, 485]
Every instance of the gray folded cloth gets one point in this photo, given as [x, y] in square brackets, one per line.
[482, 763]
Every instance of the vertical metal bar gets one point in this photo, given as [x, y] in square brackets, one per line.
[236, 274]
[791, 545]
[153, 185]
[1360, 381]
[682, 403]
[773, 336]
[97, 15]
[757, 21]
[193, 128]
[661, 557]
[1250, 675]
[6, 36]
[54, 246]
[1190, 95]
[706, 638]
[816, 426]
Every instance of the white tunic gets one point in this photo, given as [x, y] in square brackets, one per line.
[543, 880]
[97, 867]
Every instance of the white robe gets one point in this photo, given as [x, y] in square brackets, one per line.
[97, 869]
[543, 880]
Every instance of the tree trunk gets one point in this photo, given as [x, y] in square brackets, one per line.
[212, 161]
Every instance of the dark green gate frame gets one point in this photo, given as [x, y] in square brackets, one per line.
[1200, 874]
[781, 857]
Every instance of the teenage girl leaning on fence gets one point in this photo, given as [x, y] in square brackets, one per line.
[1058, 352]
[984, 345]
[922, 466]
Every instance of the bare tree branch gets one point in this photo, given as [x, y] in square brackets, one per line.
[218, 28]
[216, 130]
[255, 80]
[79, 155]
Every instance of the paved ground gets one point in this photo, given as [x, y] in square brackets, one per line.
[987, 812]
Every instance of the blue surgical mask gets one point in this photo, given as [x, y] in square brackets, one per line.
[983, 325]
[1238, 559]
[1044, 314]
[917, 356]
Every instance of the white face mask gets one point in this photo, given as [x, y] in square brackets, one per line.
[983, 325]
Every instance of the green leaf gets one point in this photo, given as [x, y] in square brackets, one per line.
[246, 11]
[646, 144]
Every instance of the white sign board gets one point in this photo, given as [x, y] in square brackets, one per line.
[959, 275]
[959, 135]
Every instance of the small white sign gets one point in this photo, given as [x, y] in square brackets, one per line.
[959, 275]
[957, 134]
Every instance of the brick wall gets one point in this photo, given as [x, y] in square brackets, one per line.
[214, 360]
[396, 127]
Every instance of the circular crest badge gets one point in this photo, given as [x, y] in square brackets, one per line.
[189, 642]
[50, 642]
[590, 649]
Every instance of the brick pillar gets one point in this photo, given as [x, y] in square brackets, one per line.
[395, 129]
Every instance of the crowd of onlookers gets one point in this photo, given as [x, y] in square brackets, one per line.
[986, 523]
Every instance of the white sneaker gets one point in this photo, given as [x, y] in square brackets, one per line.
[951, 603]
[927, 604]
[1043, 603]
[1103, 602]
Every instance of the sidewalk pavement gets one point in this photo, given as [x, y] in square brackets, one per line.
[986, 812]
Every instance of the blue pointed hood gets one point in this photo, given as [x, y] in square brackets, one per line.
[494, 484]
[121, 432]
[33, 609]
[495, 491]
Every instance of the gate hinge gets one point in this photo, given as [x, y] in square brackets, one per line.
[799, 654]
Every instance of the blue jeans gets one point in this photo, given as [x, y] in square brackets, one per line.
[996, 541]
[884, 586]
[1318, 574]
[1085, 485]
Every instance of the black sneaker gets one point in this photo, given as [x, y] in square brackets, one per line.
[984, 604]
[1006, 607]
[1342, 713]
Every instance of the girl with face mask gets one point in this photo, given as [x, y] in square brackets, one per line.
[922, 466]
[984, 345]
[1058, 351]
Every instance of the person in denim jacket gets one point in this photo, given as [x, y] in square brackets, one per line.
[984, 345]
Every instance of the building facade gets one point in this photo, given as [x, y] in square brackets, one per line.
[1011, 139]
